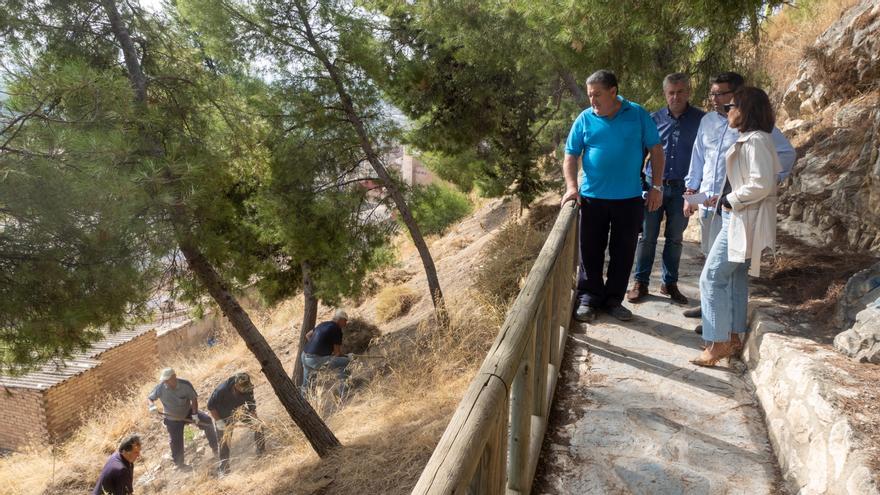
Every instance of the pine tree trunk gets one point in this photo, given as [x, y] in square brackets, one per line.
[373, 157]
[310, 316]
[316, 431]
[577, 92]
[313, 427]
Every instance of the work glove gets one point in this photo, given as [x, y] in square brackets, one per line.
[194, 417]
[219, 424]
[350, 356]
[152, 408]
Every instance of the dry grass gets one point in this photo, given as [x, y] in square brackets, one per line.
[508, 258]
[393, 302]
[788, 36]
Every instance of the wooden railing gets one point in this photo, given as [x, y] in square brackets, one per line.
[492, 443]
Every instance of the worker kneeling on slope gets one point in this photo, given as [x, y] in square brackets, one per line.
[227, 398]
[324, 348]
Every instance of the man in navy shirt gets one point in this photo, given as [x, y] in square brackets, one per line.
[324, 348]
[609, 140]
[118, 474]
[677, 124]
[229, 396]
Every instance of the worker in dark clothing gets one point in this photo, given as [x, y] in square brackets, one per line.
[324, 348]
[118, 474]
[227, 398]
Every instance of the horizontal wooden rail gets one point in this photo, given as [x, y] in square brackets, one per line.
[492, 443]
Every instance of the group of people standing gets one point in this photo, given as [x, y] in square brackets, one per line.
[723, 165]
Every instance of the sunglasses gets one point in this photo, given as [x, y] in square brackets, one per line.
[728, 106]
[716, 95]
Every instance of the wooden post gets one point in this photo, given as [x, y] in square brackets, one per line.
[560, 292]
[521, 422]
[542, 348]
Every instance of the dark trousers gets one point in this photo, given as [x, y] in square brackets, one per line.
[175, 435]
[673, 208]
[226, 436]
[612, 224]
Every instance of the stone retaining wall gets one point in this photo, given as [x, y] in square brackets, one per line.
[800, 394]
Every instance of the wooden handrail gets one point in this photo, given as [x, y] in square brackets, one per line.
[492, 443]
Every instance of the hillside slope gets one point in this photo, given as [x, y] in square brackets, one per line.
[388, 427]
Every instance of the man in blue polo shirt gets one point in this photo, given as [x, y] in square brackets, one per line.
[609, 139]
[677, 124]
[324, 348]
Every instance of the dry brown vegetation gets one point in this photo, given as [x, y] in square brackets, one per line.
[404, 393]
[393, 302]
[788, 35]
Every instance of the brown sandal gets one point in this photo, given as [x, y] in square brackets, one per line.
[716, 352]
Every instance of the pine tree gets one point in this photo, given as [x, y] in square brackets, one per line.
[171, 156]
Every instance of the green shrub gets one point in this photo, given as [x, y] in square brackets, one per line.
[437, 206]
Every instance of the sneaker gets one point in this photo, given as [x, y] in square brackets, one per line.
[693, 312]
[638, 292]
[585, 313]
[620, 313]
[699, 330]
[672, 291]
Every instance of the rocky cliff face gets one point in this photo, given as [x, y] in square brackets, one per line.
[833, 107]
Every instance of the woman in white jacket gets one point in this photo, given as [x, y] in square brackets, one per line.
[748, 210]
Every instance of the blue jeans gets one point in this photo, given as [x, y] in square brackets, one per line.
[676, 222]
[175, 435]
[312, 362]
[724, 291]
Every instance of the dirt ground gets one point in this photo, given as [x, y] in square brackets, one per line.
[803, 283]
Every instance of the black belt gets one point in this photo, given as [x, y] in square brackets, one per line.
[668, 182]
[673, 182]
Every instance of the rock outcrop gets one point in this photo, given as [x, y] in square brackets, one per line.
[834, 111]
[862, 341]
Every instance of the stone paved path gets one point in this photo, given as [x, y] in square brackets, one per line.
[632, 415]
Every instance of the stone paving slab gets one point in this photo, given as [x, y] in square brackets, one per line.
[634, 416]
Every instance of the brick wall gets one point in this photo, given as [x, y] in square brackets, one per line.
[122, 366]
[68, 401]
[129, 363]
[188, 334]
[22, 417]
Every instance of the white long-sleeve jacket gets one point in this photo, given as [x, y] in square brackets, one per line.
[752, 168]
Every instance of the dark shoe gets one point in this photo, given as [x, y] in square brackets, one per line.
[672, 291]
[183, 467]
[699, 330]
[620, 313]
[638, 292]
[585, 313]
[693, 312]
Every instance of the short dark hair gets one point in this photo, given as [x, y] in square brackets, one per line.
[604, 77]
[129, 442]
[755, 110]
[731, 78]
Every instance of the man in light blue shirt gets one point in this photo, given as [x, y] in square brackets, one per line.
[708, 168]
[609, 139]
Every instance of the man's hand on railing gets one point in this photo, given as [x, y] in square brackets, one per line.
[571, 194]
